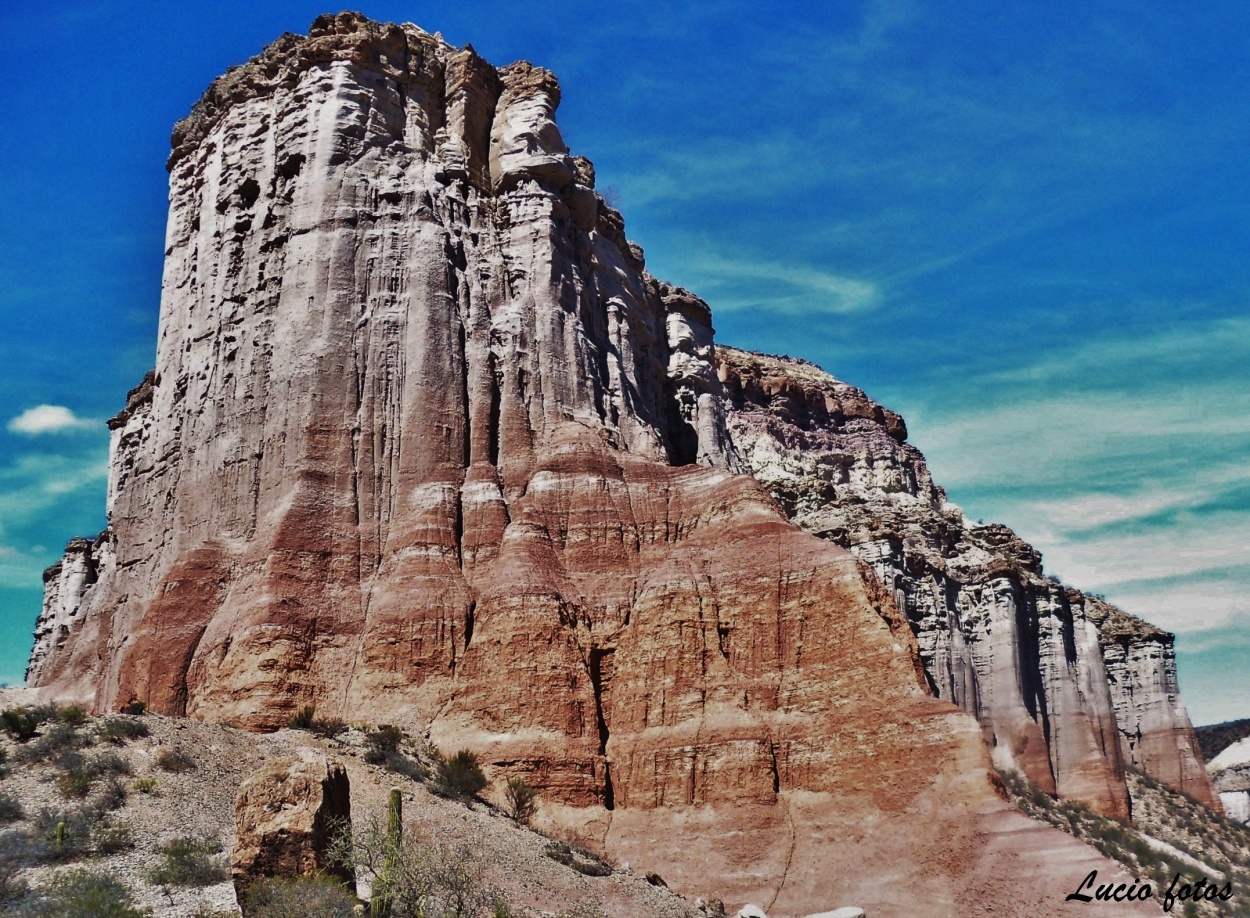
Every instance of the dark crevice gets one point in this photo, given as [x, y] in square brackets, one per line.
[468, 622]
[495, 400]
[601, 665]
[772, 752]
[458, 527]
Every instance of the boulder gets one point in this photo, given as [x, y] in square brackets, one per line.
[285, 816]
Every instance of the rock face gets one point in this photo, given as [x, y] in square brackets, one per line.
[1067, 687]
[285, 815]
[1230, 774]
[426, 444]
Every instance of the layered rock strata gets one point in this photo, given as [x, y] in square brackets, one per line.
[426, 444]
[1067, 687]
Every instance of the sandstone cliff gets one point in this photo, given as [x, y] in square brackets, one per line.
[425, 443]
[1067, 687]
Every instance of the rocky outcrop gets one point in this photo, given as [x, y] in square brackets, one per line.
[1230, 775]
[285, 817]
[1067, 687]
[64, 584]
[426, 444]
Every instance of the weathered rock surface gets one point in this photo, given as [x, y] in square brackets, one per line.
[1067, 687]
[425, 444]
[285, 816]
[1230, 775]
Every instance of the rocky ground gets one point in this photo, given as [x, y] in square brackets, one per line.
[200, 802]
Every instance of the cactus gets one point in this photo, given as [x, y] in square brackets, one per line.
[394, 822]
[58, 839]
[380, 901]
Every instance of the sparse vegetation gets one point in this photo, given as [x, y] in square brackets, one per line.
[65, 834]
[329, 727]
[13, 849]
[300, 897]
[1162, 812]
[188, 861]
[73, 714]
[381, 742]
[135, 708]
[118, 731]
[54, 743]
[579, 859]
[302, 719]
[460, 775]
[174, 760]
[420, 878]
[10, 809]
[82, 892]
[146, 785]
[520, 800]
[20, 723]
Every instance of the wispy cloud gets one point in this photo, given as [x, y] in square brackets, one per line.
[778, 286]
[1122, 460]
[49, 419]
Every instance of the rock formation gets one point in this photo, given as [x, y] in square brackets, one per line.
[1067, 687]
[285, 816]
[426, 444]
[1230, 774]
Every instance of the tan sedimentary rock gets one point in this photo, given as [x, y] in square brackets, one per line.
[285, 817]
[426, 444]
[1067, 688]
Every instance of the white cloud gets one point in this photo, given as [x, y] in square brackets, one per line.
[1122, 461]
[783, 287]
[44, 419]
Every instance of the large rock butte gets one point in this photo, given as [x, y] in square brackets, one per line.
[426, 444]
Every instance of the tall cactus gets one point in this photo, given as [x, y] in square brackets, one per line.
[58, 841]
[380, 901]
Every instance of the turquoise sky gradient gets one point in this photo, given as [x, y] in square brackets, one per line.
[1023, 227]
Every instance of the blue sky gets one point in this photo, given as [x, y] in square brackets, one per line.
[1022, 226]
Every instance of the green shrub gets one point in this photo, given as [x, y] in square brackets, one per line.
[83, 894]
[112, 796]
[20, 723]
[56, 742]
[135, 708]
[4, 762]
[299, 897]
[460, 775]
[386, 738]
[188, 861]
[10, 809]
[329, 727]
[520, 800]
[76, 781]
[145, 785]
[73, 714]
[174, 760]
[120, 730]
[302, 719]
